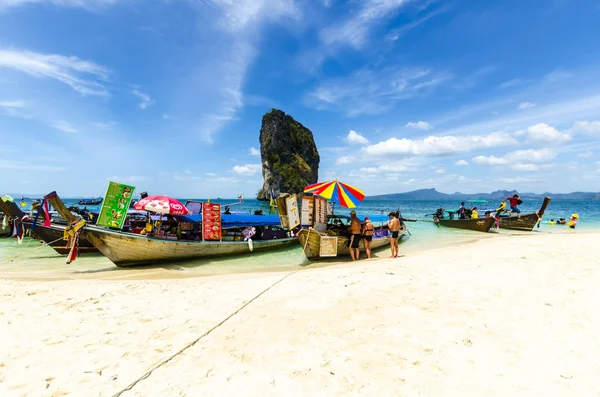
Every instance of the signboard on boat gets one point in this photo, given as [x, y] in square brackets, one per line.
[291, 204]
[115, 205]
[321, 209]
[211, 222]
[308, 210]
[328, 246]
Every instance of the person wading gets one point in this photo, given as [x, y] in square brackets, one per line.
[394, 226]
[367, 233]
[354, 230]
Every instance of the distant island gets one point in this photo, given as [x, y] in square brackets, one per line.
[432, 194]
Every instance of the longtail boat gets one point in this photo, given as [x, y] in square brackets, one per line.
[51, 235]
[131, 249]
[526, 221]
[318, 244]
[478, 224]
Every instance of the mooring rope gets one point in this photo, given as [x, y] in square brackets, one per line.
[192, 343]
[27, 244]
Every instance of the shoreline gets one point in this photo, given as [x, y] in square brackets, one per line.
[489, 318]
[193, 269]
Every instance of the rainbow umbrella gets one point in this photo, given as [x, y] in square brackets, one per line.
[336, 191]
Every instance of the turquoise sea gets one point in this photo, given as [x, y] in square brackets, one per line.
[32, 260]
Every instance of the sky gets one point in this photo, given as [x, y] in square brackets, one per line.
[168, 95]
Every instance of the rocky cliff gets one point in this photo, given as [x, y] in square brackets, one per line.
[290, 159]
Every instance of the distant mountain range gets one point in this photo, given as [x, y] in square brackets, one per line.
[432, 194]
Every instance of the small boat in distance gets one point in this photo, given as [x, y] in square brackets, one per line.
[95, 201]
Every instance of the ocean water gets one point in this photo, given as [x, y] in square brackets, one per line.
[32, 260]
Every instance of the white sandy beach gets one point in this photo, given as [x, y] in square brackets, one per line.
[508, 316]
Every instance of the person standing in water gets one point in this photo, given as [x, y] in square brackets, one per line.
[573, 221]
[394, 227]
[367, 233]
[354, 230]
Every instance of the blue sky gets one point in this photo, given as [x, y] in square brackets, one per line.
[168, 95]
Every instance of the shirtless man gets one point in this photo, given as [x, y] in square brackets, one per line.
[354, 230]
[394, 226]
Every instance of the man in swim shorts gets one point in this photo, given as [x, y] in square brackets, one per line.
[394, 227]
[354, 230]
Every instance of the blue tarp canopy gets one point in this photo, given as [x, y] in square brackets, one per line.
[237, 219]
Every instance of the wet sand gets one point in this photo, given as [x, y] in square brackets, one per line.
[509, 315]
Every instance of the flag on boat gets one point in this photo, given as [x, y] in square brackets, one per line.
[162, 205]
[338, 192]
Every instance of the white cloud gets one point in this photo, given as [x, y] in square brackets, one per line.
[512, 83]
[20, 165]
[354, 31]
[254, 151]
[586, 155]
[439, 145]
[489, 160]
[355, 138]
[64, 126]
[374, 91]
[231, 54]
[422, 125]
[146, 100]
[132, 178]
[166, 117]
[396, 33]
[543, 133]
[520, 160]
[515, 180]
[531, 156]
[587, 127]
[387, 169]
[12, 104]
[440, 171]
[247, 169]
[525, 105]
[343, 160]
[525, 167]
[85, 77]
[462, 162]
[89, 4]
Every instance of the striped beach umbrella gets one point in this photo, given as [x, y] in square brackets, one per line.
[338, 192]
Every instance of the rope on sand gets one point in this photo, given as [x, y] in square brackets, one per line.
[192, 343]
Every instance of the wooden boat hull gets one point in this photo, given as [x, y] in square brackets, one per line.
[125, 249]
[477, 225]
[310, 240]
[53, 236]
[527, 221]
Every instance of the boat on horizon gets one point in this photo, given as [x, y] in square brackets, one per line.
[126, 249]
[95, 201]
